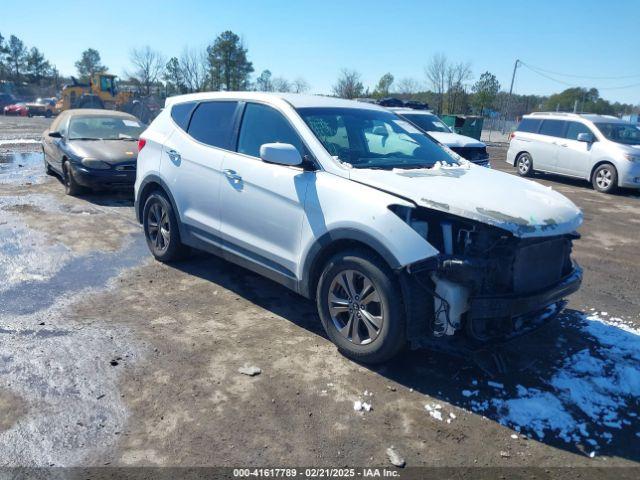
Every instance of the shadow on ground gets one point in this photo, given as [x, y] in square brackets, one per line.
[579, 392]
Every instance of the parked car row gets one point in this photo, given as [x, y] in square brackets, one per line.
[347, 203]
[45, 107]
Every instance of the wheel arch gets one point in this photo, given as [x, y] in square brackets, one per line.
[149, 185]
[517, 156]
[598, 164]
[333, 242]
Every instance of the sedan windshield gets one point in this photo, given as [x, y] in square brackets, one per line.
[625, 133]
[104, 128]
[428, 123]
[367, 138]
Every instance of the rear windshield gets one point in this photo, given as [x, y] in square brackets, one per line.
[428, 123]
[530, 125]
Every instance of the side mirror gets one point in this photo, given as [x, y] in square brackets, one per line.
[55, 134]
[280, 153]
[586, 137]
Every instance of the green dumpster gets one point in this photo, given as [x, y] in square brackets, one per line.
[469, 125]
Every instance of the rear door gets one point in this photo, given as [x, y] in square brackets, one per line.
[549, 136]
[574, 157]
[262, 204]
[193, 166]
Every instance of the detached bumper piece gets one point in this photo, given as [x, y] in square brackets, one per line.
[503, 316]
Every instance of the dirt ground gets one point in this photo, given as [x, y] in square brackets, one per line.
[109, 357]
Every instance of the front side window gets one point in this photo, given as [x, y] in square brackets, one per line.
[104, 128]
[576, 128]
[367, 138]
[428, 123]
[625, 133]
[553, 128]
[262, 124]
[212, 123]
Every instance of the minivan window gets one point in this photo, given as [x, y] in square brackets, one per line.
[553, 128]
[262, 124]
[212, 123]
[530, 125]
[181, 113]
[576, 128]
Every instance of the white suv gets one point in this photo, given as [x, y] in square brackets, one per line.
[599, 148]
[398, 240]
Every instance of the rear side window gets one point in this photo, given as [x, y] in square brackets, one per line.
[553, 128]
[530, 125]
[262, 124]
[181, 113]
[576, 128]
[212, 123]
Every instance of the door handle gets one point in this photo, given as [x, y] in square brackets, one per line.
[173, 156]
[232, 175]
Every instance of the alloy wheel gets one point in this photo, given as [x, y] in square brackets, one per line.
[355, 307]
[158, 227]
[524, 164]
[604, 178]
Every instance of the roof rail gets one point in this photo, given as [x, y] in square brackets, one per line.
[561, 114]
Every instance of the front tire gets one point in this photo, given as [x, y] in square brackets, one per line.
[161, 229]
[360, 306]
[524, 164]
[71, 187]
[605, 178]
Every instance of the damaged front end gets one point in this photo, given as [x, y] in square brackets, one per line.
[486, 282]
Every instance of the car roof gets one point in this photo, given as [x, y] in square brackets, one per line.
[296, 100]
[96, 112]
[591, 117]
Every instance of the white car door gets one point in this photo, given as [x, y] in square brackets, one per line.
[262, 204]
[546, 145]
[193, 167]
[574, 157]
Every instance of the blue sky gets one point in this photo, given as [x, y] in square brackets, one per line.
[316, 39]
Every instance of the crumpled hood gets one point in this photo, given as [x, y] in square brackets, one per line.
[110, 151]
[456, 140]
[523, 207]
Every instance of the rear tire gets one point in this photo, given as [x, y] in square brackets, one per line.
[360, 306]
[161, 229]
[524, 164]
[605, 178]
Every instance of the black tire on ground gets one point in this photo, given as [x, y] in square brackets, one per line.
[71, 187]
[605, 178]
[161, 229]
[524, 164]
[366, 325]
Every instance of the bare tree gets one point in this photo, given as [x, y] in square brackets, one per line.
[194, 65]
[148, 66]
[349, 85]
[436, 72]
[299, 85]
[407, 86]
[281, 84]
[457, 75]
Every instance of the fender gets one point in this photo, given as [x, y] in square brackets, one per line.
[153, 178]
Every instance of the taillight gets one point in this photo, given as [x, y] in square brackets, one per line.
[511, 135]
[141, 143]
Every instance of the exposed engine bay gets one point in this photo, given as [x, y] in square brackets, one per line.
[487, 281]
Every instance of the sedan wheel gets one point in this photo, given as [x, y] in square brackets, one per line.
[355, 307]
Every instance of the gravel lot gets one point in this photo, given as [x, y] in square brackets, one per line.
[108, 357]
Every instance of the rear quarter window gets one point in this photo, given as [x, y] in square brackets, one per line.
[553, 128]
[530, 125]
[181, 113]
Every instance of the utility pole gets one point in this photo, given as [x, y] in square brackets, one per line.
[513, 77]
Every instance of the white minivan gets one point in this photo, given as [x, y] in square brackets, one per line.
[599, 148]
[398, 240]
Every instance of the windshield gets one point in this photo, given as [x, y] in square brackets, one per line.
[368, 138]
[428, 123]
[625, 133]
[104, 128]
